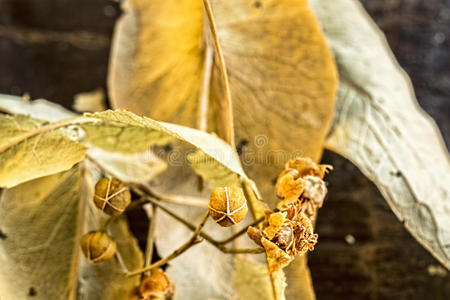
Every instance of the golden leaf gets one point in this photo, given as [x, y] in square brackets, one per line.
[279, 66]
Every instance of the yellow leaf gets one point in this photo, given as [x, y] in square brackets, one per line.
[282, 76]
[28, 152]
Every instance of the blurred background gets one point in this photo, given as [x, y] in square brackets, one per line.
[54, 49]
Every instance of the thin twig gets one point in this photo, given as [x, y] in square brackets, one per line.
[185, 201]
[204, 93]
[228, 121]
[219, 245]
[191, 242]
[240, 232]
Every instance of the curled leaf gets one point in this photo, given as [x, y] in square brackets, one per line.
[380, 127]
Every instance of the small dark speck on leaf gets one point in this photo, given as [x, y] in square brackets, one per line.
[396, 173]
[274, 181]
[168, 148]
[3, 236]
[240, 146]
[257, 4]
[32, 292]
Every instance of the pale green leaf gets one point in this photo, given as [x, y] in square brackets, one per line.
[126, 132]
[380, 127]
[42, 221]
[27, 151]
[136, 167]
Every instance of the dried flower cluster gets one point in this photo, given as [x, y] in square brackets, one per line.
[289, 232]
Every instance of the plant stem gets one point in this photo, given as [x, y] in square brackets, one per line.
[146, 190]
[256, 206]
[240, 232]
[228, 121]
[191, 242]
[204, 93]
[219, 245]
[107, 223]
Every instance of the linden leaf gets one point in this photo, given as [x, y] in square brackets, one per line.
[43, 260]
[124, 131]
[283, 81]
[136, 167]
[380, 127]
[28, 150]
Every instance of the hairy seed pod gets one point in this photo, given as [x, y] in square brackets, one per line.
[157, 286]
[97, 246]
[111, 196]
[227, 205]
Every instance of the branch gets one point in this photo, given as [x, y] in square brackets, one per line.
[194, 240]
[228, 121]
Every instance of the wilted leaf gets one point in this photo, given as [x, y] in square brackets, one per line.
[28, 151]
[380, 127]
[42, 221]
[282, 76]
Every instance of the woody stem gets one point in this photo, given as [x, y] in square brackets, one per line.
[227, 105]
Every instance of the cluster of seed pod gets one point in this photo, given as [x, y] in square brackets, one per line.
[289, 232]
[112, 197]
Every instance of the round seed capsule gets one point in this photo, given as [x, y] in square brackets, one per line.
[97, 246]
[111, 196]
[227, 205]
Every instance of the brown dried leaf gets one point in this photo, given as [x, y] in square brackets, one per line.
[285, 61]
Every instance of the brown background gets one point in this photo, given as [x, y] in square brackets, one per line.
[56, 48]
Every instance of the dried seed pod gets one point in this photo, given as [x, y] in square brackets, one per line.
[227, 205]
[97, 246]
[315, 190]
[111, 196]
[157, 286]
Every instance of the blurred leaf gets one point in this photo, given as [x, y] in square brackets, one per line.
[38, 109]
[137, 167]
[252, 280]
[28, 151]
[90, 102]
[42, 260]
[380, 127]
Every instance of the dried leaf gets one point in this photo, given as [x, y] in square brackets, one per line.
[27, 151]
[126, 132]
[380, 127]
[137, 167]
[43, 260]
[285, 61]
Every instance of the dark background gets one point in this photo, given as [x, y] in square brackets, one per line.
[56, 48]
